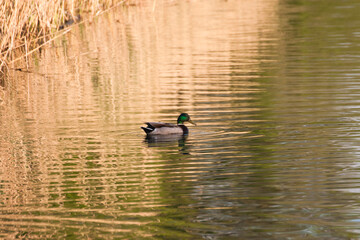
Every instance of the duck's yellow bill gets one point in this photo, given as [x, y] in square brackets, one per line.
[192, 122]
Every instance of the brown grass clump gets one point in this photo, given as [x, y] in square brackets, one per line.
[25, 25]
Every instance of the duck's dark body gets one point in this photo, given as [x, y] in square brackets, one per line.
[160, 128]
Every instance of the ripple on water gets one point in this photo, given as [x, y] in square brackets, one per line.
[274, 154]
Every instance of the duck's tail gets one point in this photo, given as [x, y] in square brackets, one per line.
[147, 129]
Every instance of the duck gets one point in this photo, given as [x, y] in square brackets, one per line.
[161, 128]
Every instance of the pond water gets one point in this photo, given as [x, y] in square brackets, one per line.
[272, 85]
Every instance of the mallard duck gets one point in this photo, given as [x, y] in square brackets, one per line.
[160, 128]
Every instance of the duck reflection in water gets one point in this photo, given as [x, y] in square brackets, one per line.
[168, 141]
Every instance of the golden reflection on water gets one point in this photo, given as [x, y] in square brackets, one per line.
[71, 148]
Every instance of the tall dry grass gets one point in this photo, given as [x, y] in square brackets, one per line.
[26, 25]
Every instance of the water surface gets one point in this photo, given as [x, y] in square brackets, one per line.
[272, 85]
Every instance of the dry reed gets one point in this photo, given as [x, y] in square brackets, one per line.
[26, 25]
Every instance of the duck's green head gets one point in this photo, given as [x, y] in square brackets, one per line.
[184, 117]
